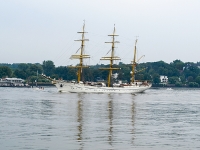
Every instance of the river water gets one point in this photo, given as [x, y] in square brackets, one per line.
[47, 120]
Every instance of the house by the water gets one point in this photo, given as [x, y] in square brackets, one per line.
[12, 82]
[163, 79]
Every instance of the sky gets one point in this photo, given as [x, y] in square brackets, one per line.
[32, 31]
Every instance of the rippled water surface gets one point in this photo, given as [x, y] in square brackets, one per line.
[48, 120]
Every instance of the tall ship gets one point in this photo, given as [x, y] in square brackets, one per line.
[100, 87]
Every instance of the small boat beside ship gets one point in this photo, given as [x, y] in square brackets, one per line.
[100, 87]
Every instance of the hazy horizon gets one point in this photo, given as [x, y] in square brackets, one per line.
[34, 31]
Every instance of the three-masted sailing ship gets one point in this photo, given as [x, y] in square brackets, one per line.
[81, 87]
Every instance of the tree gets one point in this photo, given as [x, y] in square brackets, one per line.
[162, 71]
[156, 78]
[62, 72]
[72, 74]
[178, 64]
[183, 80]
[20, 74]
[88, 74]
[139, 76]
[23, 66]
[173, 80]
[147, 77]
[33, 78]
[5, 71]
[178, 84]
[48, 67]
[35, 68]
[190, 79]
[193, 84]
[191, 70]
[197, 80]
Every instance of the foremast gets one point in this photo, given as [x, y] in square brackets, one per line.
[111, 58]
[81, 56]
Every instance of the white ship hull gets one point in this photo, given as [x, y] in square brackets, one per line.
[82, 88]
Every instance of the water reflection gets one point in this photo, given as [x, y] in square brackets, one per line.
[154, 120]
[110, 117]
[101, 119]
[80, 119]
[121, 114]
[133, 113]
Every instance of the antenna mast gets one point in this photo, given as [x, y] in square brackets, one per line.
[134, 64]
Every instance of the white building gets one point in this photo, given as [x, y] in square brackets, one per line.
[11, 82]
[115, 75]
[163, 79]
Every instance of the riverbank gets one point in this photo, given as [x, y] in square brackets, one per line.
[42, 84]
[172, 86]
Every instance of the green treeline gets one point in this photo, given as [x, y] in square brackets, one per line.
[178, 72]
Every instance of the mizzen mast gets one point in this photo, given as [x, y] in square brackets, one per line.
[111, 58]
[133, 64]
[81, 56]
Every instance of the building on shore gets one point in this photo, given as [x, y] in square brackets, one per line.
[163, 79]
[12, 82]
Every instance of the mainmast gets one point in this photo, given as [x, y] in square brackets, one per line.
[81, 56]
[111, 58]
[133, 64]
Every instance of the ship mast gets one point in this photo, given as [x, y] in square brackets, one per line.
[81, 56]
[111, 58]
[133, 64]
